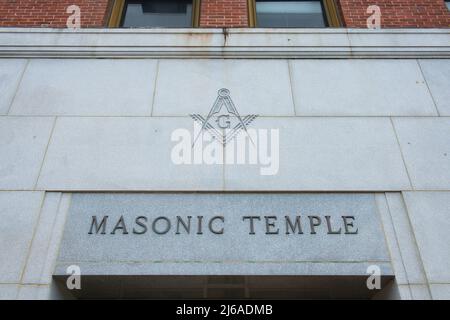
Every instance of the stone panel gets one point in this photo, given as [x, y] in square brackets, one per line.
[425, 143]
[429, 212]
[437, 75]
[324, 154]
[11, 71]
[19, 212]
[23, 142]
[360, 88]
[257, 86]
[90, 87]
[122, 153]
[225, 245]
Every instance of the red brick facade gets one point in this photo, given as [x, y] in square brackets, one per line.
[397, 13]
[51, 13]
[224, 13]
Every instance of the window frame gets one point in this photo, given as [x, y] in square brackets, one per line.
[330, 7]
[119, 5]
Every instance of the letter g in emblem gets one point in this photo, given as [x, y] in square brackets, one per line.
[223, 121]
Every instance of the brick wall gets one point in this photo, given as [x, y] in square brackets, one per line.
[223, 13]
[397, 13]
[51, 13]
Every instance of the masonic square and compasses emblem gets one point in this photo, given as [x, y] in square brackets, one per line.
[223, 121]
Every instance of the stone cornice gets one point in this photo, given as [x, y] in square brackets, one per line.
[224, 43]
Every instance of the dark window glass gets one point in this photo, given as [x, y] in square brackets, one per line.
[290, 14]
[159, 13]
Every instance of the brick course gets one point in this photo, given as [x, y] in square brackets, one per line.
[51, 13]
[397, 13]
[224, 13]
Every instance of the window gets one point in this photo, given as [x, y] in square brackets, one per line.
[447, 3]
[294, 14]
[154, 13]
